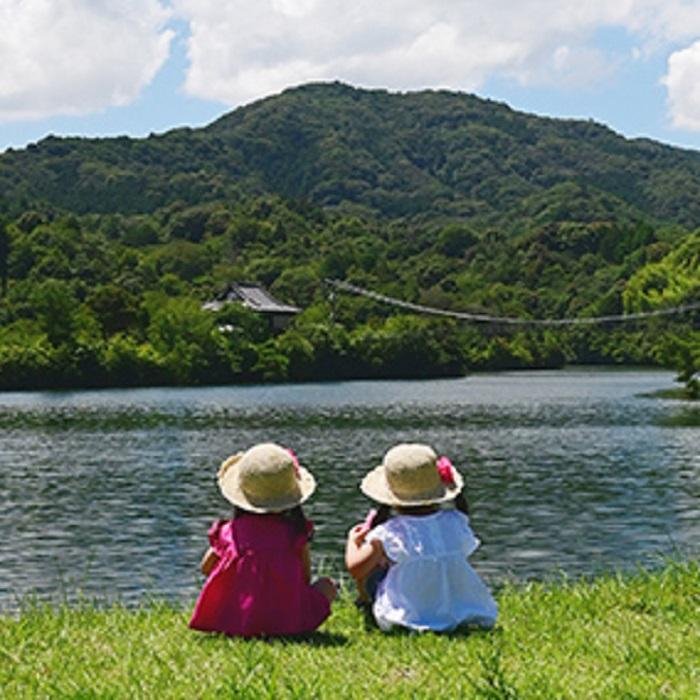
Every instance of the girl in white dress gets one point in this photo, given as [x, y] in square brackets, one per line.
[410, 558]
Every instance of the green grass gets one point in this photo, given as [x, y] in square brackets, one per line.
[634, 636]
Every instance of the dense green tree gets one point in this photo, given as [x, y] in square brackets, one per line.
[673, 281]
[297, 284]
[5, 243]
[455, 239]
[191, 348]
[129, 362]
[439, 199]
[56, 306]
[115, 307]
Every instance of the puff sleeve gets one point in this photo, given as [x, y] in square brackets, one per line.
[221, 537]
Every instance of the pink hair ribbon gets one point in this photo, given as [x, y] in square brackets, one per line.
[295, 462]
[445, 470]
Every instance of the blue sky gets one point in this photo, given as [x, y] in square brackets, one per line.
[86, 67]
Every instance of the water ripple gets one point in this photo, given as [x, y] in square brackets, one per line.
[110, 493]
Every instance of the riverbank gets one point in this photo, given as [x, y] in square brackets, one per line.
[679, 393]
[615, 636]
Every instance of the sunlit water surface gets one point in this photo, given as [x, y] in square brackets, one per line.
[109, 494]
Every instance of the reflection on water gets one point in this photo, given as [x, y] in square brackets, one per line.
[110, 493]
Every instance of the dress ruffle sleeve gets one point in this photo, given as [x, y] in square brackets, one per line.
[393, 545]
[222, 541]
[216, 537]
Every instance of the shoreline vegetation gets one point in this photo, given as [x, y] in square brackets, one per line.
[677, 393]
[617, 635]
[681, 392]
[114, 253]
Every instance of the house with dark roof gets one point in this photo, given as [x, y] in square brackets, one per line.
[256, 298]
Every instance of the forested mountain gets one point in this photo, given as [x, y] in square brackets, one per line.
[108, 247]
[427, 154]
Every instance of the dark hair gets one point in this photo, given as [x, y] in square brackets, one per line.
[381, 516]
[384, 511]
[461, 504]
[295, 516]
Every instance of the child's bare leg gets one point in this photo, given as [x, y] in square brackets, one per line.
[327, 587]
[362, 595]
[367, 586]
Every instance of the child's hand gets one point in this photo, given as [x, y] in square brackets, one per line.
[358, 533]
[209, 561]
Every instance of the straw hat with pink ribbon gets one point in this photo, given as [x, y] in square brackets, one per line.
[267, 478]
[412, 474]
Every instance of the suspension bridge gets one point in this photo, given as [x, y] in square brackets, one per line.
[350, 288]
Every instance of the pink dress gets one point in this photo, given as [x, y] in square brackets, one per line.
[257, 587]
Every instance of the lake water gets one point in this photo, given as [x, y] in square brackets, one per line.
[109, 494]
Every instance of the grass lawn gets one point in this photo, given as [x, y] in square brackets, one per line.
[635, 636]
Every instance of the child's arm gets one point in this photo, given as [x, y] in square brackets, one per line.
[361, 556]
[209, 561]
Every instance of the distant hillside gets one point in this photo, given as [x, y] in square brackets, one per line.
[426, 155]
[108, 247]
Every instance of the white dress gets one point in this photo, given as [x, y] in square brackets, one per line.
[430, 585]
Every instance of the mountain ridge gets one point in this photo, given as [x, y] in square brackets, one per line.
[109, 247]
[434, 154]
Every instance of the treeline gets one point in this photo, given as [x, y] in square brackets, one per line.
[109, 247]
[116, 300]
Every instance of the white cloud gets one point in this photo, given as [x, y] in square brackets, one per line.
[683, 85]
[244, 49]
[77, 56]
[662, 21]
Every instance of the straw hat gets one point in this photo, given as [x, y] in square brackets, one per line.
[266, 478]
[412, 475]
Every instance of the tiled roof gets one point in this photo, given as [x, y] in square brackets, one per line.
[254, 297]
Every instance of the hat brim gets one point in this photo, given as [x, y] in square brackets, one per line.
[232, 492]
[375, 486]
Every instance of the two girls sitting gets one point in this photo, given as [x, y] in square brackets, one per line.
[409, 559]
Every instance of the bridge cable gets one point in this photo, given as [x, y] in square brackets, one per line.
[508, 320]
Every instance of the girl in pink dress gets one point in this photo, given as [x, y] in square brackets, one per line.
[258, 563]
